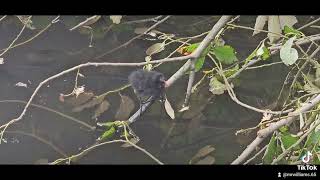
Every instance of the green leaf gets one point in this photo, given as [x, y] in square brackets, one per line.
[272, 151]
[216, 87]
[284, 129]
[200, 61]
[288, 54]
[109, 133]
[266, 53]
[291, 31]
[315, 157]
[225, 54]
[251, 56]
[313, 139]
[288, 140]
[192, 47]
[199, 64]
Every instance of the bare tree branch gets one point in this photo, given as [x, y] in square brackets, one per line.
[190, 84]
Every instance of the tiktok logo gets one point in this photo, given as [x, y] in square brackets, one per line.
[306, 157]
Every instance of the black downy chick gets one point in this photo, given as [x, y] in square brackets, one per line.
[148, 83]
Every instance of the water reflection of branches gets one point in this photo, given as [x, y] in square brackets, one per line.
[17, 37]
[47, 142]
[131, 40]
[99, 142]
[53, 111]
[36, 35]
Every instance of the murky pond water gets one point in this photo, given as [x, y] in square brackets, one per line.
[212, 120]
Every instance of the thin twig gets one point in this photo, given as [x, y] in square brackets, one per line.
[253, 29]
[131, 40]
[7, 49]
[3, 17]
[264, 65]
[190, 84]
[309, 24]
[86, 22]
[114, 91]
[249, 160]
[154, 19]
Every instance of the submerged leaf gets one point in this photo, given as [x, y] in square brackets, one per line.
[288, 54]
[169, 109]
[104, 106]
[89, 104]
[126, 107]
[207, 160]
[203, 152]
[155, 48]
[77, 101]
